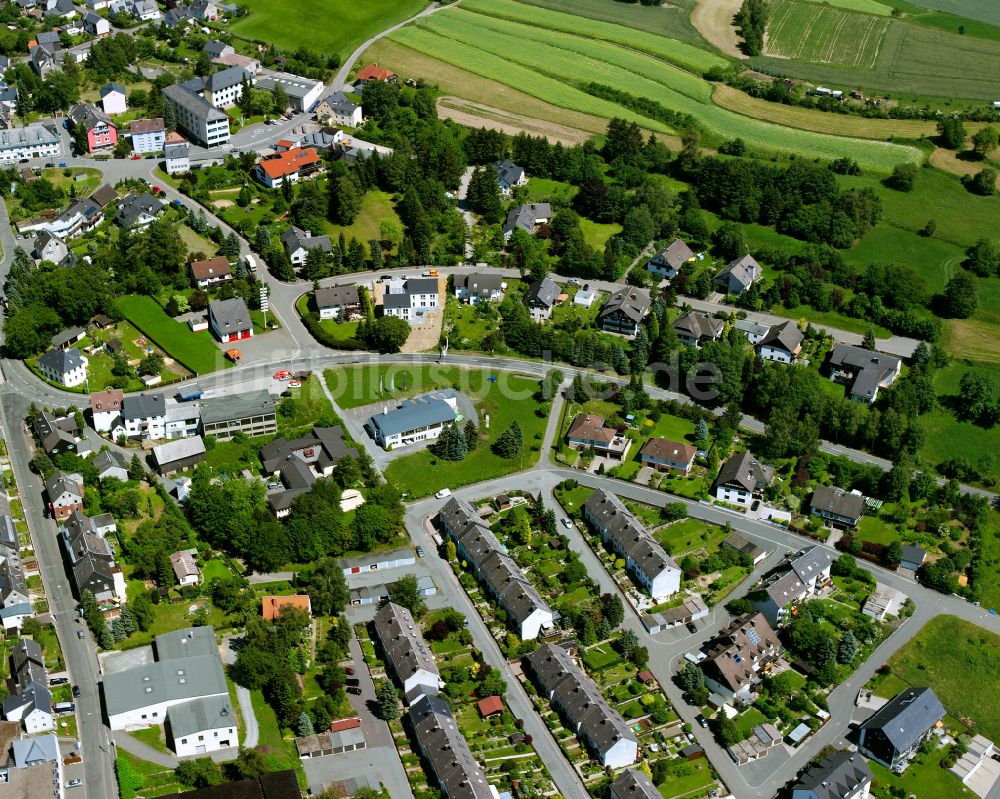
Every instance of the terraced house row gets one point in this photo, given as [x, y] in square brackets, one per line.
[476, 543]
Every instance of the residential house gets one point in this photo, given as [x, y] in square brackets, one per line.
[197, 117]
[185, 568]
[695, 328]
[205, 10]
[56, 434]
[49, 247]
[839, 775]
[81, 217]
[883, 602]
[633, 784]
[541, 297]
[178, 455]
[589, 431]
[31, 702]
[216, 49]
[509, 176]
[314, 455]
[585, 296]
[111, 465]
[101, 131]
[406, 652]
[783, 343]
[60, 8]
[479, 288]
[739, 656]
[273, 606]
[38, 767]
[339, 110]
[178, 16]
[288, 167]
[647, 561]
[230, 319]
[738, 275]
[754, 331]
[446, 752]
[13, 581]
[113, 98]
[187, 670]
[302, 93]
[866, 371]
[667, 261]
[372, 73]
[836, 507]
[578, 699]
[664, 455]
[410, 299]
[138, 211]
[45, 60]
[624, 310]
[913, 557]
[95, 24]
[145, 10]
[297, 478]
[211, 271]
[67, 367]
[338, 302]
[527, 218]
[529, 613]
[221, 89]
[148, 135]
[298, 242]
[894, 733]
[105, 407]
[183, 418]
[251, 413]
[176, 160]
[742, 479]
[413, 420]
[143, 416]
[798, 578]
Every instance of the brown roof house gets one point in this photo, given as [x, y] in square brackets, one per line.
[739, 656]
[742, 479]
[667, 262]
[211, 271]
[664, 455]
[589, 431]
[696, 328]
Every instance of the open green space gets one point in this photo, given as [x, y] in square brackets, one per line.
[667, 19]
[362, 385]
[957, 659]
[376, 208]
[982, 10]
[196, 351]
[597, 234]
[549, 55]
[826, 34]
[934, 260]
[925, 778]
[292, 23]
[975, 338]
[678, 786]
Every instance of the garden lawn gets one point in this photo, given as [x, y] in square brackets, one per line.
[544, 189]
[196, 351]
[871, 528]
[927, 779]
[958, 660]
[424, 473]
[746, 721]
[689, 534]
[279, 752]
[694, 784]
[946, 436]
[289, 23]
[307, 406]
[376, 207]
[934, 260]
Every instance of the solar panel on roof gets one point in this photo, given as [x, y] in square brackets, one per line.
[754, 638]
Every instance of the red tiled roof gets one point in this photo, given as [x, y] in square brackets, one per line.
[271, 606]
[107, 401]
[344, 724]
[669, 450]
[373, 72]
[138, 126]
[211, 267]
[489, 706]
[289, 162]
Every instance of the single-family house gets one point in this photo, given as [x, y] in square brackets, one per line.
[624, 310]
[111, 465]
[230, 319]
[589, 431]
[138, 211]
[799, 577]
[49, 247]
[883, 602]
[373, 73]
[145, 10]
[298, 242]
[338, 302]
[754, 331]
[68, 367]
[56, 434]
[894, 733]
[211, 271]
[205, 10]
[867, 371]
[101, 131]
[410, 298]
[288, 167]
[337, 109]
[509, 176]
[95, 24]
[215, 49]
[175, 158]
[105, 407]
[178, 455]
[634, 784]
[838, 508]
[783, 343]
[742, 479]
[839, 775]
[143, 416]
[479, 287]
[185, 568]
[31, 702]
[148, 135]
[667, 261]
[178, 16]
[113, 98]
[528, 218]
[541, 297]
[695, 328]
[665, 455]
[739, 656]
[738, 275]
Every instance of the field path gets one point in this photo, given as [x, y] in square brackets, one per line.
[949, 162]
[714, 20]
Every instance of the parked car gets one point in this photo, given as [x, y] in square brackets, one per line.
[355, 691]
[349, 671]
[76, 691]
[273, 486]
[567, 523]
[755, 505]
[59, 681]
[444, 492]
[79, 634]
[353, 683]
[692, 627]
[136, 157]
[283, 374]
[294, 384]
[63, 164]
[701, 720]
[419, 551]
[76, 782]
[286, 394]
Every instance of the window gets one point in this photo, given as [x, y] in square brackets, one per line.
[201, 737]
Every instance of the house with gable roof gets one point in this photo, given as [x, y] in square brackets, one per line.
[667, 261]
[738, 275]
[892, 736]
[509, 176]
[742, 479]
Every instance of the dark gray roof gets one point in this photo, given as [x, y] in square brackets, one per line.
[479, 284]
[698, 325]
[746, 270]
[508, 171]
[198, 715]
[338, 101]
[89, 115]
[810, 561]
[395, 300]
[632, 302]
[838, 775]
[525, 216]
[60, 483]
[236, 406]
[178, 150]
[225, 79]
[8, 533]
[837, 501]
[403, 642]
[332, 439]
[913, 554]
[144, 406]
[906, 717]
[872, 368]
[743, 470]
[543, 293]
[619, 524]
[446, 750]
[413, 414]
[68, 335]
[230, 315]
[785, 336]
[196, 105]
[133, 206]
[675, 254]
[62, 361]
[109, 459]
[634, 784]
[296, 237]
[422, 285]
[337, 296]
[213, 47]
[107, 88]
[518, 596]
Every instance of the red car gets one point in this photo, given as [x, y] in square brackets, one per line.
[349, 671]
[157, 189]
[136, 157]
[284, 374]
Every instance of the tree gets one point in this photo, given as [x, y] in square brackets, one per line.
[250, 764]
[612, 609]
[471, 434]
[345, 199]
[324, 583]
[508, 445]
[405, 593]
[726, 730]
[961, 295]
[701, 432]
[627, 642]
[305, 725]
[847, 649]
[952, 132]
[692, 680]
[492, 683]
[451, 444]
[903, 177]
[894, 552]
[387, 699]
[135, 469]
[985, 140]
[387, 334]
[200, 773]
[975, 396]
[280, 99]
[483, 195]
[869, 340]
[983, 257]
[984, 182]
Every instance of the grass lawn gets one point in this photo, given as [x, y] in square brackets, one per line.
[289, 23]
[196, 242]
[151, 736]
[569, 310]
[280, 754]
[508, 400]
[544, 189]
[926, 779]
[376, 207]
[468, 326]
[872, 528]
[597, 234]
[974, 338]
[196, 351]
[945, 436]
[307, 406]
[689, 534]
[958, 660]
[214, 569]
[233, 456]
[169, 617]
[745, 722]
[60, 180]
[934, 260]
[49, 643]
[691, 785]
[155, 780]
[831, 319]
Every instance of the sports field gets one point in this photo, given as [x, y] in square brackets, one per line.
[549, 56]
[824, 34]
[329, 26]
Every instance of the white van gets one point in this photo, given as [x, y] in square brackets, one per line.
[444, 492]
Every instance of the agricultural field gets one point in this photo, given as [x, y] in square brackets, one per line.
[292, 23]
[669, 19]
[550, 64]
[825, 35]
[983, 10]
